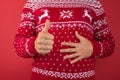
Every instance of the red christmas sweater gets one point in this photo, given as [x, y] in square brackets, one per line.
[66, 16]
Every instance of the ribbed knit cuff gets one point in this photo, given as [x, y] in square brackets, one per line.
[96, 48]
[31, 46]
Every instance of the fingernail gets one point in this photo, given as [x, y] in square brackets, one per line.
[62, 43]
[64, 57]
[76, 32]
[71, 62]
[60, 50]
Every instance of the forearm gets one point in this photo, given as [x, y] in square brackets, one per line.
[26, 35]
[104, 42]
[25, 46]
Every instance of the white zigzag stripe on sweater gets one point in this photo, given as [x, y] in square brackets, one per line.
[64, 75]
[95, 5]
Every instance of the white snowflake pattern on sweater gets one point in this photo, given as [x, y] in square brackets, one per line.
[66, 16]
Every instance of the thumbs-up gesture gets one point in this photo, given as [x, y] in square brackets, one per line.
[80, 50]
[44, 41]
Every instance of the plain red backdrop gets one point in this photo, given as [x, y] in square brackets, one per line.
[13, 67]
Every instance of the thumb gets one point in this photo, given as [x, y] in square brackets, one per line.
[81, 38]
[47, 26]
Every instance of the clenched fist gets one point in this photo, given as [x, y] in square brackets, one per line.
[44, 41]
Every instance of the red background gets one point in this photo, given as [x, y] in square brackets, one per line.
[13, 67]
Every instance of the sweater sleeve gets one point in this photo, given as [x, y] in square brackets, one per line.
[25, 37]
[104, 43]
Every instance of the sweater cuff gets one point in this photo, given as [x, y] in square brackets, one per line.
[96, 48]
[31, 46]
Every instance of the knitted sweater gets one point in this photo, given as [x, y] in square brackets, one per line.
[66, 16]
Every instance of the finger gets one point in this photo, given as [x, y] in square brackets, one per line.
[47, 26]
[77, 59]
[49, 36]
[45, 47]
[70, 56]
[69, 44]
[46, 36]
[68, 50]
[81, 38]
[44, 51]
[46, 42]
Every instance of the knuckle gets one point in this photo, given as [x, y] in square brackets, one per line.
[48, 51]
[39, 35]
[39, 46]
[48, 47]
[69, 43]
[52, 37]
[38, 41]
[39, 51]
[65, 50]
[52, 42]
[70, 50]
[51, 47]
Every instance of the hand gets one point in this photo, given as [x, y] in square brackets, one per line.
[44, 41]
[80, 50]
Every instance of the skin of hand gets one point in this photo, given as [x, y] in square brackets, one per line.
[81, 50]
[44, 41]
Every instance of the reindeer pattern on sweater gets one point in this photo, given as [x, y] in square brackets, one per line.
[66, 16]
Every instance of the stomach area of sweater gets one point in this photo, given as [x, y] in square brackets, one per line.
[65, 32]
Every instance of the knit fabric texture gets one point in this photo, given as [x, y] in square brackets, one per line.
[66, 16]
